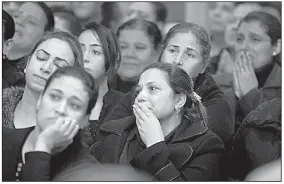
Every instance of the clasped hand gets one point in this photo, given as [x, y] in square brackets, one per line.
[244, 78]
[148, 125]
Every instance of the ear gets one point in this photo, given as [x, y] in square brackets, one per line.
[7, 46]
[277, 47]
[180, 100]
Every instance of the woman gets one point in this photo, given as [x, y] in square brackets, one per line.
[101, 57]
[140, 46]
[53, 51]
[168, 135]
[258, 60]
[187, 45]
[39, 153]
[32, 21]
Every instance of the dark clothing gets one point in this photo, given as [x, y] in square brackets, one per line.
[115, 82]
[10, 99]
[220, 109]
[39, 166]
[11, 76]
[109, 101]
[19, 66]
[270, 90]
[258, 140]
[193, 153]
[212, 68]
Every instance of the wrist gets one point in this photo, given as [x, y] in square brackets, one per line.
[42, 146]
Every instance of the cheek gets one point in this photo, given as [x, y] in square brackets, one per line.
[167, 57]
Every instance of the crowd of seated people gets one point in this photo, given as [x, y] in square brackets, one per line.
[87, 99]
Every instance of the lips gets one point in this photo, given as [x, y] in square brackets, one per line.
[40, 78]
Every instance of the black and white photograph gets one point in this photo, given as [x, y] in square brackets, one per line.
[141, 91]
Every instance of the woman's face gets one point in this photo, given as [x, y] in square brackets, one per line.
[220, 14]
[65, 96]
[30, 21]
[137, 51]
[48, 57]
[94, 59]
[84, 10]
[155, 92]
[239, 13]
[184, 50]
[252, 38]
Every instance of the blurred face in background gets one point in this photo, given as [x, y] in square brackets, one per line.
[84, 10]
[11, 7]
[220, 14]
[252, 38]
[239, 13]
[142, 10]
[30, 21]
[137, 51]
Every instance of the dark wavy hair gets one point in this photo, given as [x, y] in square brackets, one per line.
[9, 25]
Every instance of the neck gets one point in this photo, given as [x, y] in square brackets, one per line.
[17, 53]
[103, 87]
[170, 123]
[34, 135]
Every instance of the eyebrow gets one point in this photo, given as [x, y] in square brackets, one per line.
[95, 45]
[74, 97]
[58, 58]
[187, 48]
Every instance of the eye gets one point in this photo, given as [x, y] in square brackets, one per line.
[75, 106]
[240, 39]
[54, 97]
[256, 39]
[172, 50]
[140, 48]
[95, 52]
[123, 46]
[153, 88]
[190, 55]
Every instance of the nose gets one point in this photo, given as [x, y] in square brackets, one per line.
[86, 56]
[129, 52]
[245, 45]
[46, 67]
[61, 108]
[178, 60]
[141, 97]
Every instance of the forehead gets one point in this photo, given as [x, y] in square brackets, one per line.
[134, 35]
[153, 75]
[34, 10]
[253, 26]
[58, 48]
[185, 40]
[70, 86]
[146, 7]
[89, 37]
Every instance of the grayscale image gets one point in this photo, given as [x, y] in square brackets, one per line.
[141, 91]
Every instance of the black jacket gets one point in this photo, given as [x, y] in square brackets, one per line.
[39, 166]
[193, 152]
[219, 106]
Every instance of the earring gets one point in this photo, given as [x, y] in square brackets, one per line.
[177, 110]
[274, 54]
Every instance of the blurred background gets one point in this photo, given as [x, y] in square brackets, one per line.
[219, 18]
